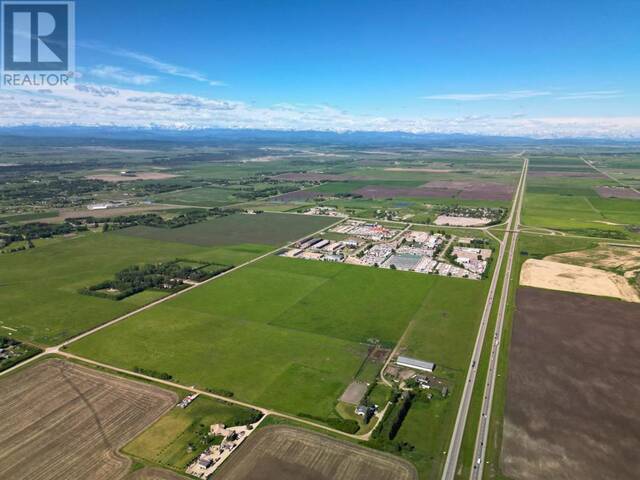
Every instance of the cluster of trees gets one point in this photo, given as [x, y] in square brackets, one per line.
[153, 219]
[15, 352]
[153, 373]
[31, 231]
[166, 276]
[54, 192]
[494, 214]
[383, 437]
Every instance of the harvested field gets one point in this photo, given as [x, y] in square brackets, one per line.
[154, 474]
[617, 192]
[572, 278]
[379, 192]
[572, 389]
[115, 178]
[475, 190]
[287, 453]
[68, 421]
[442, 189]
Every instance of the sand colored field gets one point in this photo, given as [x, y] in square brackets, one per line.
[461, 221]
[572, 278]
[603, 256]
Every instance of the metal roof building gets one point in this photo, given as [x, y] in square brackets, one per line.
[416, 364]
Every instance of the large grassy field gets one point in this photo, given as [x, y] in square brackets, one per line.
[266, 229]
[39, 287]
[572, 204]
[290, 334]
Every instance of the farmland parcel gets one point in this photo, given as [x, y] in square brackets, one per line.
[68, 421]
[571, 409]
[285, 453]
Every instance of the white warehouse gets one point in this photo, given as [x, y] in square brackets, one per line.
[415, 364]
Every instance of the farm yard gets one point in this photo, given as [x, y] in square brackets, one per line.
[182, 433]
[287, 453]
[573, 376]
[69, 421]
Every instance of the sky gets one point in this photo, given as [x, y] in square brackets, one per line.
[519, 67]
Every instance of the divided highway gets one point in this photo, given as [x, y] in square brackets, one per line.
[513, 222]
[487, 400]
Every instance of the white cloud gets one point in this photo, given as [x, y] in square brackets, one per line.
[109, 72]
[153, 63]
[96, 105]
[593, 95]
[475, 97]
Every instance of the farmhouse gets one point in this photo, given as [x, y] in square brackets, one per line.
[415, 364]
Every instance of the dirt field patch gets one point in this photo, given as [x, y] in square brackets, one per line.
[617, 192]
[603, 256]
[461, 221]
[572, 278]
[286, 453]
[68, 421]
[572, 389]
[115, 178]
[354, 393]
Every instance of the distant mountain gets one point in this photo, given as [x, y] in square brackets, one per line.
[67, 135]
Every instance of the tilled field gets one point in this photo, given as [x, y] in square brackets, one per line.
[62, 421]
[573, 387]
[286, 453]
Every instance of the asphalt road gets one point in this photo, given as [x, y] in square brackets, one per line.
[453, 453]
[487, 400]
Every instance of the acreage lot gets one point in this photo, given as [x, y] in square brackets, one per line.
[39, 288]
[573, 384]
[291, 335]
[65, 421]
[287, 453]
[265, 228]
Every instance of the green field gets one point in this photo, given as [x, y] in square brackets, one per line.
[39, 287]
[200, 197]
[167, 441]
[266, 229]
[290, 334]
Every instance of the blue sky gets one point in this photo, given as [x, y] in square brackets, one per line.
[410, 62]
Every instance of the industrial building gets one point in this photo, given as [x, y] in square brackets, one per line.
[415, 364]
